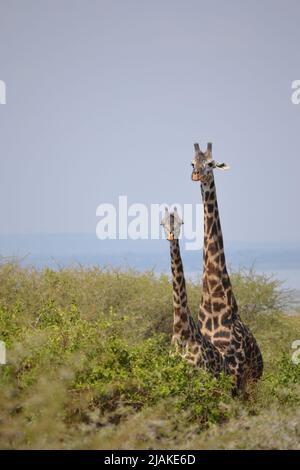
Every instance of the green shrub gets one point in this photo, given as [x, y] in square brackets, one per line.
[89, 355]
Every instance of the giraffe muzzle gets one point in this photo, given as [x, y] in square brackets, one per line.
[195, 176]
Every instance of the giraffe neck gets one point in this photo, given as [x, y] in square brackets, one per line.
[179, 287]
[183, 326]
[216, 282]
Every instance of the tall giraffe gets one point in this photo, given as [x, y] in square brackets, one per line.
[218, 317]
[187, 338]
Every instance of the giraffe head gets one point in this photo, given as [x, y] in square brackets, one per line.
[203, 164]
[171, 224]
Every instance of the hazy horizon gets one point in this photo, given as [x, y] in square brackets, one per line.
[65, 250]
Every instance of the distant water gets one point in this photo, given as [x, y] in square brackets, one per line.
[56, 251]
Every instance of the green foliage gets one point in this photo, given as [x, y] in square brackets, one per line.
[89, 361]
[144, 374]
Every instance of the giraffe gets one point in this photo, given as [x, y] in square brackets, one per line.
[218, 316]
[187, 338]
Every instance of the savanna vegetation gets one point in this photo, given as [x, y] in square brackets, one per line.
[89, 365]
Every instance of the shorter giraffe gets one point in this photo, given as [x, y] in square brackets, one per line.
[187, 338]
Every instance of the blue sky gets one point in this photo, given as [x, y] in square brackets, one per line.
[106, 98]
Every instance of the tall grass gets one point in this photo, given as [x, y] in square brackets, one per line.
[89, 363]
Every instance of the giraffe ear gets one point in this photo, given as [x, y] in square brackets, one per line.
[222, 166]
